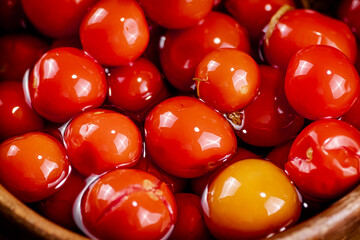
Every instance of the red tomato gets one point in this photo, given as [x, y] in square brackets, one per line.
[66, 42]
[353, 115]
[137, 87]
[128, 204]
[59, 206]
[324, 160]
[176, 13]
[12, 16]
[16, 116]
[190, 223]
[33, 166]
[182, 50]
[101, 140]
[349, 12]
[227, 79]
[255, 14]
[187, 138]
[301, 28]
[279, 154]
[19, 53]
[115, 32]
[57, 18]
[321, 82]
[269, 120]
[64, 82]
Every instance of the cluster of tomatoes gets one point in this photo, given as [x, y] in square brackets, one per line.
[179, 119]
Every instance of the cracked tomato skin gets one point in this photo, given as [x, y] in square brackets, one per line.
[64, 82]
[101, 140]
[128, 204]
[187, 138]
[115, 32]
[176, 14]
[33, 166]
[311, 28]
[324, 160]
[321, 82]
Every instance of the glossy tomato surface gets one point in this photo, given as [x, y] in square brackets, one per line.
[269, 120]
[16, 116]
[324, 160]
[182, 50]
[128, 204]
[176, 14]
[250, 199]
[57, 18]
[19, 52]
[321, 82]
[64, 82]
[349, 12]
[187, 138]
[33, 166]
[227, 79]
[301, 28]
[101, 140]
[115, 32]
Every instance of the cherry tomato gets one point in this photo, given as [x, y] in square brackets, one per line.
[137, 87]
[279, 154]
[255, 14]
[114, 32]
[19, 52]
[128, 204]
[101, 140]
[12, 17]
[187, 138]
[59, 206]
[57, 18]
[269, 120]
[66, 42]
[33, 166]
[349, 12]
[227, 79]
[176, 14]
[324, 159]
[190, 223]
[301, 28]
[182, 50]
[64, 82]
[250, 199]
[152, 50]
[353, 116]
[321, 82]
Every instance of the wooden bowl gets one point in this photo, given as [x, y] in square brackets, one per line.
[340, 221]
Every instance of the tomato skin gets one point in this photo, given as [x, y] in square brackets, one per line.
[321, 82]
[16, 116]
[185, 143]
[311, 28]
[19, 52]
[182, 50]
[114, 32]
[240, 202]
[269, 120]
[324, 160]
[101, 140]
[279, 154]
[64, 82]
[30, 171]
[255, 14]
[12, 16]
[348, 12]
[352, 116]
[57, 18]
[176, 14]
[132, 195]
[228, 79]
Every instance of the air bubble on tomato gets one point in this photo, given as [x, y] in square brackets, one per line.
[227, 79]
[100, 140]
[250, 199]
[187, 138]
[126, 204]
[324, 159]
[301, 28]
[321, 82]
[115, 32]
[33, 166]
[64, 82]
[182, 50]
